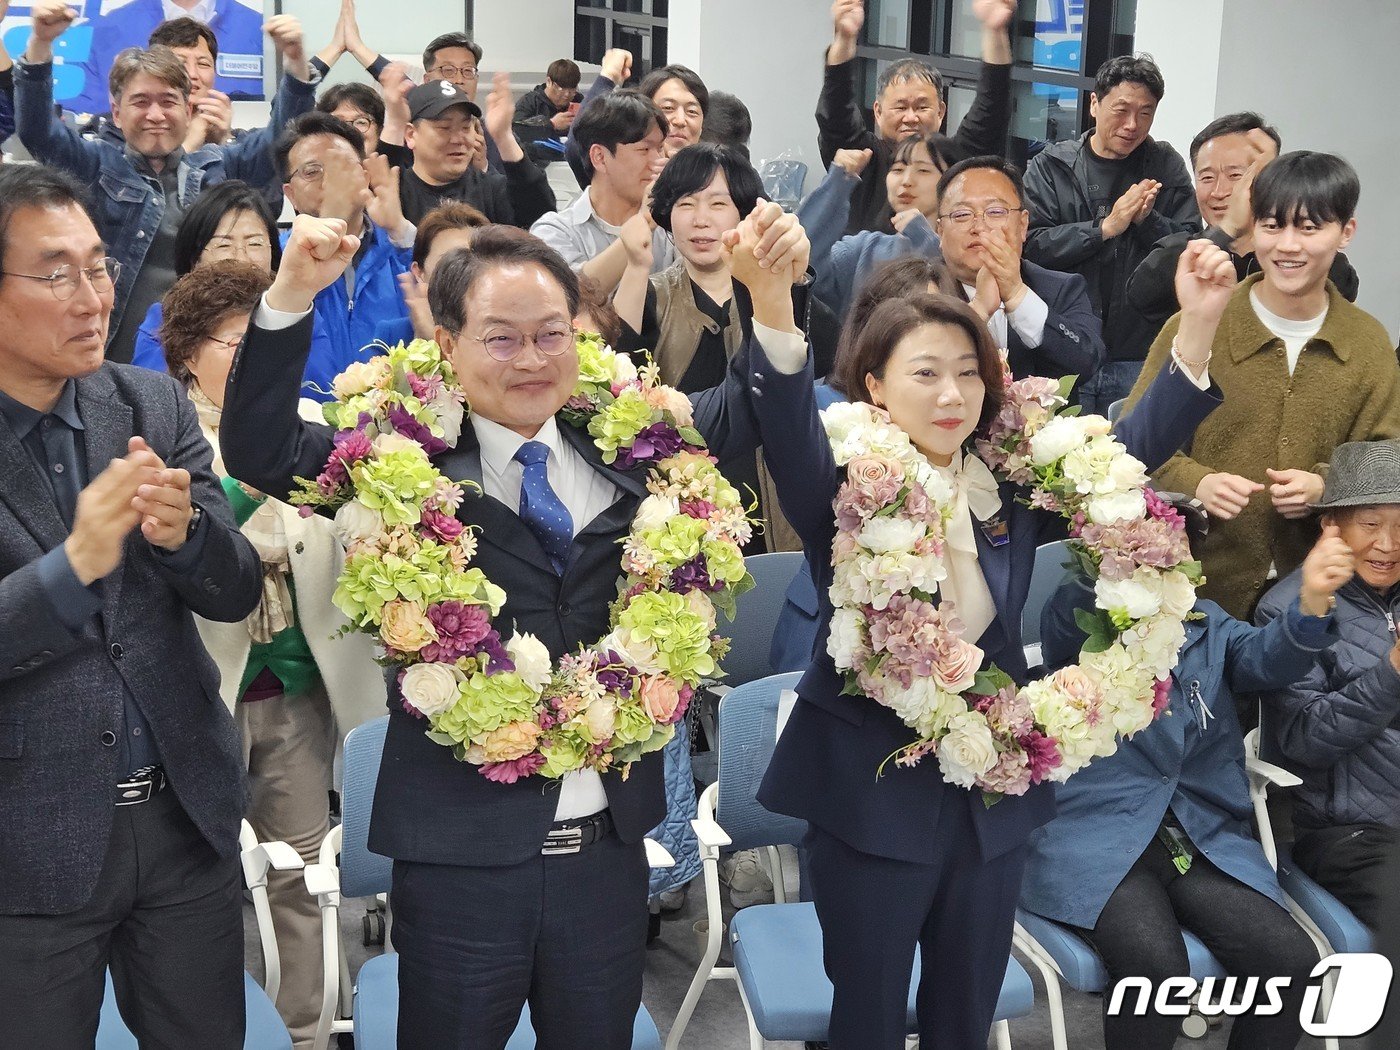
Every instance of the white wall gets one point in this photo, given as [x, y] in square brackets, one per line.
[1184, 38]
[1327, 75]
[769, 53]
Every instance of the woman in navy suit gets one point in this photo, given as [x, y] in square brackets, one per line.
[906, 861]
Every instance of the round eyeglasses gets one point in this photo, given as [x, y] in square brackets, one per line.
[505, 344]
[64, 281]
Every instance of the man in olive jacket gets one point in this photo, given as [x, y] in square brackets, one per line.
[1302, 370]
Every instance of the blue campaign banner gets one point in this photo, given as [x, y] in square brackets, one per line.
[83, 55]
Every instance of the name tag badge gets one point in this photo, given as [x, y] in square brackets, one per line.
[995, 530]
[241, 66]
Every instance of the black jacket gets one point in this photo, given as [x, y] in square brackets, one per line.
[1152, 287]
[428, 807]
[1066, 232]
[517, 198]
[841, 125]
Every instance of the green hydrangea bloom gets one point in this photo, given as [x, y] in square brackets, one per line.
[395, 484]
[681, 638]
[619, 423]
[676, 542]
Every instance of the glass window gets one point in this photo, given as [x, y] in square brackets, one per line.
[887, 23]
[1043, 113]
[590, 38]
[964, 32]
[1058, 40]
[639, 42]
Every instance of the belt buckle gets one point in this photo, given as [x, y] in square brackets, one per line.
[134, 792]
[562, 840]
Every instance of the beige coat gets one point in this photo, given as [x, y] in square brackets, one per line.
[353, 681]
[1345, 387]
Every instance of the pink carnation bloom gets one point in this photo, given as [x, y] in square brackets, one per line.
[698, 508]
[1161, 695]
[460, 628]
[440, 526]
[1042, 754]
[510, 772]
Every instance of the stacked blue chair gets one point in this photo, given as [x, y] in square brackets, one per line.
[375, 1003]
[263, 1029]
[777, 948]
[750, 637]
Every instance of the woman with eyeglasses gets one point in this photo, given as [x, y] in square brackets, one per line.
[228, 222]
[842, 262]
[295, 684]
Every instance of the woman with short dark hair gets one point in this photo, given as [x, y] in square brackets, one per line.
[909, 863]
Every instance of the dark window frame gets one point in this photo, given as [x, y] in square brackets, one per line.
[613, 19]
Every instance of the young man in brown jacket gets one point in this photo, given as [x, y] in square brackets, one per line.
[1302, 370]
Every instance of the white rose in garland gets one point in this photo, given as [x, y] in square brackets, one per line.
[894, 645]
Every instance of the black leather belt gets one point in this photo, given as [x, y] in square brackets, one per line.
[141, 786]
[570, 836]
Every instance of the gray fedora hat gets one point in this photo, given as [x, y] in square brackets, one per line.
[1362, 474]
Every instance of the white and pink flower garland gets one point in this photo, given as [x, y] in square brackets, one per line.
[895, 646]
[502, 704]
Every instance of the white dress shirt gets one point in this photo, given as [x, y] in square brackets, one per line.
[585, 493]
[1028, 319]
[200, 12]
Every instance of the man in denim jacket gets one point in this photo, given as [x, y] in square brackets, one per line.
[143, 188]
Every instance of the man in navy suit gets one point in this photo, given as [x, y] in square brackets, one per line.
[1043, 318]
[502, 892]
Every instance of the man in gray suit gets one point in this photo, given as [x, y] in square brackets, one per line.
[120, 768]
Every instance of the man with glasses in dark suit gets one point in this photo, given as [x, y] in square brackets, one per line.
[120, 768]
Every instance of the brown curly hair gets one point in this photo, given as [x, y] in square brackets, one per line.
[199, 302]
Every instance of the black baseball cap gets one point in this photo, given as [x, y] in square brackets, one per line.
[436, 97]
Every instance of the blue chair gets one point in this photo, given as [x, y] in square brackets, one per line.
[777, 948]
[750, 638]
[1060, 953]
[1051, 560]
[264, 1028]
[374, 1003]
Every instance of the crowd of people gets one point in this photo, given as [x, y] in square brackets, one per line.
[175, 660]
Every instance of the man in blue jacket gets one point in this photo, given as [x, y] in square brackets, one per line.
[143, 186]
[239, 62]
[322, 163]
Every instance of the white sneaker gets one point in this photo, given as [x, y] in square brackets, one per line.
[747, 881]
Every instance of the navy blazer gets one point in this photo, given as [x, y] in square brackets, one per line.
[1072, 341]
[1190, 760]
[824, 767]
[61, 695]
[429, 807]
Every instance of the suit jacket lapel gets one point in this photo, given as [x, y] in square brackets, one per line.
[27, 492]
[107, 427]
